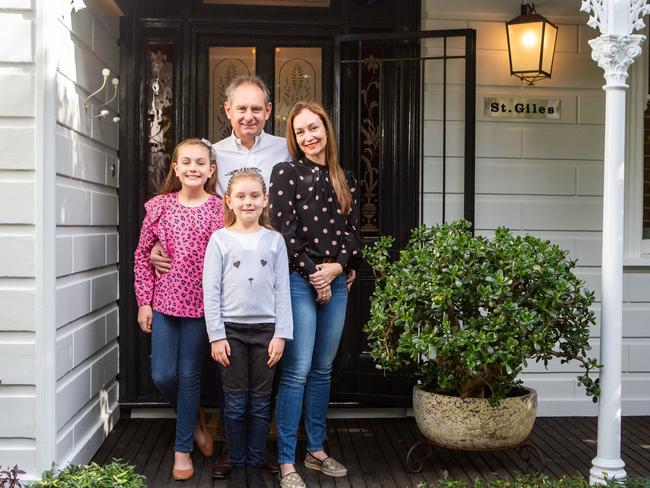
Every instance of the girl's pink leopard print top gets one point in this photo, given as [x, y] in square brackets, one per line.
[184, 232]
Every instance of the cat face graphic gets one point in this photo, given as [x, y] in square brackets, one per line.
[238, 263]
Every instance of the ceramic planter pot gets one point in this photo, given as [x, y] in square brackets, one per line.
[472, 423]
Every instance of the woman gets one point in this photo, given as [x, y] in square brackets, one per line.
[313, 204]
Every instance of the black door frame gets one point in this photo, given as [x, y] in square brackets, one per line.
[183, 24]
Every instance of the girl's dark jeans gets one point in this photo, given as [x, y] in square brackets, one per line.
[247, 385]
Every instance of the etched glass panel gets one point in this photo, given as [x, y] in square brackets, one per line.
[160, 117]
[297, 77]
[226, 63]
[370, 125]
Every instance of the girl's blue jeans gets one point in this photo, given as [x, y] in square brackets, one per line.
[177, 348]
[307, 365]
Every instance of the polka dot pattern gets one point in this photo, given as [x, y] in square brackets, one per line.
[315, 216]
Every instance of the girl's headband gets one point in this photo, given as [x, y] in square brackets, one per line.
[246, 169]
[209, 145]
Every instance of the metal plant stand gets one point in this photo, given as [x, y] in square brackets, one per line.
[527, 451]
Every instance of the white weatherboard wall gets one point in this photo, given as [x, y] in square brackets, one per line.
[17, 235]
[86, 234]
[542, 177]
[58, 216]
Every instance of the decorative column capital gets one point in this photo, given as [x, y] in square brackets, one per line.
[614, 54]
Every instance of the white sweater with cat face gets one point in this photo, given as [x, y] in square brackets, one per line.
[246, 281]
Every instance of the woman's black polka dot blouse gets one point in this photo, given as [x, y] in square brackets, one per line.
[304, 208]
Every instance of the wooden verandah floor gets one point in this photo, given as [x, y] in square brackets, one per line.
[375, 450]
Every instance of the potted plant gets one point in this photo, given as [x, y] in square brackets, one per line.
[464, 315]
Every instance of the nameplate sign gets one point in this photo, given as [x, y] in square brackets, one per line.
[522, 108]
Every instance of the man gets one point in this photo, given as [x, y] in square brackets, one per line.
[248, 107]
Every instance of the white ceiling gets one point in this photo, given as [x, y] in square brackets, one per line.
[505, 9]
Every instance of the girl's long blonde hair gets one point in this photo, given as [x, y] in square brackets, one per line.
[229, 217]
[339, 182]
[172, 183]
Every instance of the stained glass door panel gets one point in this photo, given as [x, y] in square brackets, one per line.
[225, 64]
[298, 76]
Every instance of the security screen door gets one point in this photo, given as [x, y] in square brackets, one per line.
[404, 111]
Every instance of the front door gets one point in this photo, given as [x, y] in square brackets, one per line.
[394, 100]
[292, 69]
[404, 110]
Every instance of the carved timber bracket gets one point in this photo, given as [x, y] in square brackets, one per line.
[598, 15]
[77, 5]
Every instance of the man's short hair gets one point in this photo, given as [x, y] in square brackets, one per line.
[248, 80]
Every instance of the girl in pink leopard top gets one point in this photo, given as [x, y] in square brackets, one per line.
[182, 218]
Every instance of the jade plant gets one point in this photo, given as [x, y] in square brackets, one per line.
[465, 314]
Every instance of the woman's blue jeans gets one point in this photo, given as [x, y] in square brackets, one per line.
[307, 365]
[177, 348]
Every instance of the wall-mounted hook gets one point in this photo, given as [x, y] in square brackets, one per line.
[105, 73]
[101, 112]
[116, 83]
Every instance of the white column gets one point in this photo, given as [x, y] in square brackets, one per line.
[614, 50]
[45, 216]
[608, 462]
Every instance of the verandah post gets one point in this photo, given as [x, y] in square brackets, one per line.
[614, 50]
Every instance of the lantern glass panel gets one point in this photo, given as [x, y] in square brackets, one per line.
[550, 35]
[525, 45]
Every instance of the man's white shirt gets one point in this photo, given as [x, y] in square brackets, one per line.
[232, 155]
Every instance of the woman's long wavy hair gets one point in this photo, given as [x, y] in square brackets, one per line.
[172, 183]
[229, 217]
[339, 182]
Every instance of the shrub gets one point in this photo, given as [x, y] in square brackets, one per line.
[113, 475]
[530, 481]
[466, 313]
[9, 477]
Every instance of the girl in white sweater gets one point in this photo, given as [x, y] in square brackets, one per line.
[248, 318]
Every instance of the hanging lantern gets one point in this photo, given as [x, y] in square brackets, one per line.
[531, 45]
